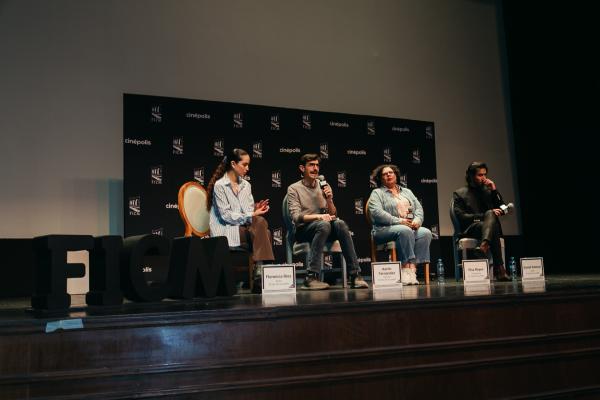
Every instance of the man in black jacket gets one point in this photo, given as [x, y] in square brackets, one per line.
[478, 208]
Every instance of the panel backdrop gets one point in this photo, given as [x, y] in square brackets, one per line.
[170, 141]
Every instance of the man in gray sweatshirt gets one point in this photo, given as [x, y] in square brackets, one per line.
[314, 216]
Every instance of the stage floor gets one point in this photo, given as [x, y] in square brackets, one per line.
[451, 291]
[416, 342]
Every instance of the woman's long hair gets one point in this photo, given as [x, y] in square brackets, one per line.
[223, 167]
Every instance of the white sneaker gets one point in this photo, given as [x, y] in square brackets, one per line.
[413, 277]
[405, 276]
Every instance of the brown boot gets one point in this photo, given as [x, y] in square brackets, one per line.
[501, 274]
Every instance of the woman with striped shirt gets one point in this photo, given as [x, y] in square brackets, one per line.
[233, 213]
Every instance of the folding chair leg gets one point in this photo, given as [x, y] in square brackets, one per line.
[344, 276]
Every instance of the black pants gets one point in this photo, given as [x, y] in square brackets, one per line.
[488, 229]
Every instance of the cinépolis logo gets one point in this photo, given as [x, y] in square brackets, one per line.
[324, 151]
[358, 206]
[275, 122]
[416, 156]
[435, 231]
[352, 152]
[372, 183]
[277, 237]
[238, 120]
[195, 115]
[199, 175]
[138, 142]
[387, 155]
[156, 175]
[276, 179]
[429, 132]
[341, 179]
[339, 124]
[219, 147]
[371, 128]
[403, 179]
[156, 114]
[401, 129]
[289, 150]
[257, 149]
[135, 208]
[178, 145]
[306, 121]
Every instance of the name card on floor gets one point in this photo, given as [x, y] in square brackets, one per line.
[386, 275]
[387, 295]
[278, 278]
[477, 289]
[476, 271]
[532, 268]
[534, 286]
[278, 299]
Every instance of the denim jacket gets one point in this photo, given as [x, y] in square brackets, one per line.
[383, 211]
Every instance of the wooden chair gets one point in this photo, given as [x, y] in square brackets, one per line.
[191, 202]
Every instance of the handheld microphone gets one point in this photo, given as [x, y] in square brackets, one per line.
[322, 181]
[507, 208]
[322, 184]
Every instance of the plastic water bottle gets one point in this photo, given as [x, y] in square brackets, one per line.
[440, 271]
[512, 267]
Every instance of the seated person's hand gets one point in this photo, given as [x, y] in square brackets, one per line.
[327, 217]
[261, 204]
[415, 225]
[260, 208]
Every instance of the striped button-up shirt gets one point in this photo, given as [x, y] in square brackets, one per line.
[230, 210]
[383, 207]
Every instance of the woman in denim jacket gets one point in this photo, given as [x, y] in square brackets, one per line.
[397, 216]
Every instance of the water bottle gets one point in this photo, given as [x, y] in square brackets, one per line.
[512, 267]
[440, 271]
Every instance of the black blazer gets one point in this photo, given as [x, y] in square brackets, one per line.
[470, 204]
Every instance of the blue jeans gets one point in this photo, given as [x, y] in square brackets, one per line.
[411, 246]
[317, 233]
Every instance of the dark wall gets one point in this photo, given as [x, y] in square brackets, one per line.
[554, 88]
[171, 141]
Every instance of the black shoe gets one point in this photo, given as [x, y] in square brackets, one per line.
[478, 254]
[501, 274]
[358, 282]
[257, 285]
